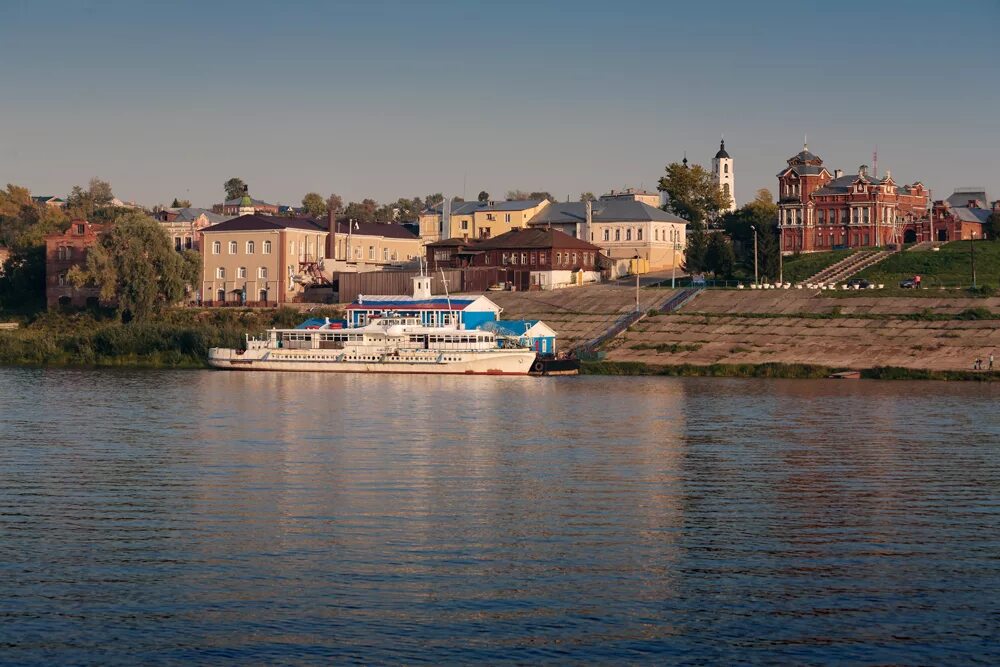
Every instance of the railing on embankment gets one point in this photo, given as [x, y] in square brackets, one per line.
[589, 349]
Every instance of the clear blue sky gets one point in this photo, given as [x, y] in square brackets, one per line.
[388, 99]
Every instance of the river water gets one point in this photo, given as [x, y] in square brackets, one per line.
[227, 518]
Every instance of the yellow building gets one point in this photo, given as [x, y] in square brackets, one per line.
[476, 220]
[260, 260]
[368, 246]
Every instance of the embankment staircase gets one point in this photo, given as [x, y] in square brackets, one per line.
[589, 348]
[849, 266]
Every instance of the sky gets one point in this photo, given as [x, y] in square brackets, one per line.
[390, 99]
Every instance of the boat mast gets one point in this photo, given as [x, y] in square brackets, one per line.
[444, 281]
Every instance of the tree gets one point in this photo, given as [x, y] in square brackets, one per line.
[23, 228]
[992, 227]
[762, 214]
[100, 192]
[521, 195]
[587, 196]
[364, 211]
[695, 249]
[543, 195]
[234, 188]
[484, 196]
[516, 195]
[135, 263]
[180, 203]
[693, 193]
[314, 205]
[433, 200]
[335, 203]
[719, 257]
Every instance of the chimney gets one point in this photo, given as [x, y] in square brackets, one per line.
[837, 173]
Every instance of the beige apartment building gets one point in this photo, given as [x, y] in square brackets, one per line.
[260, 260]
[477, 220]
[369, 246]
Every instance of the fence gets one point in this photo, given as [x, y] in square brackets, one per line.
[350, 285]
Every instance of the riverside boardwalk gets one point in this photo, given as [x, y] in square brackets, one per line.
[854, 331]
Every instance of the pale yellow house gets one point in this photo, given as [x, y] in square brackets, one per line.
[368, 246]
[261, 260]
[632, 194]
[476, 220]
[622, 229]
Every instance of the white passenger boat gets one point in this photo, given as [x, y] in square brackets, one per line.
[388, 344]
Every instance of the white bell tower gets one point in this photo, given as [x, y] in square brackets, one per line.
[722, 171]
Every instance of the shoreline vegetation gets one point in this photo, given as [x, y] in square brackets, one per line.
[180, 338]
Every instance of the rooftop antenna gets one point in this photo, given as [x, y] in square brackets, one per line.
[805, 142]
[875, 160]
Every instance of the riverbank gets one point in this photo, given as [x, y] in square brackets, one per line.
[776, 370]
[178, 338]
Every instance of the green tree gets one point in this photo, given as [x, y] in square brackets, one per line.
[135, 263]
[335, 203]
[587, 196]
[719, 257]
[180, 203]
[692, 193]
[992, 226]
[484, 196]
[23, 228]
[695, 249]
[100, 192]
[433, 200]
[762, 214]
[314, 205]
[541, 194]
[234, 188]
[363, 211]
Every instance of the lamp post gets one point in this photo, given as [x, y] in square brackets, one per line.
[972, 254]
[756, 280]
[673, 265]
[636, 258]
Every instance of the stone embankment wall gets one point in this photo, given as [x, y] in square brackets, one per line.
[723, 327]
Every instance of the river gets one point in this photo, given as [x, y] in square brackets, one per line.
[226, 518]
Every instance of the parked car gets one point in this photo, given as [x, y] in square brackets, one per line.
[909, 283]
[860, 283]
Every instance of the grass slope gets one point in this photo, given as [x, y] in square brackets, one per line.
[950, 266]
[799, 267]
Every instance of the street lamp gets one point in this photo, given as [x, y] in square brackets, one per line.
[673, 265]
[972, 253]
[756, 280]
[636, 258]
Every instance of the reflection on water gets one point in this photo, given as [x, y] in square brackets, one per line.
[305, 518]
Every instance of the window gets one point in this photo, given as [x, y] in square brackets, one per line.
[465, 225]
[725, 168]
[232, 247]
[220, 273]
[371, 252]
[558, 258]
[618, 235]
[385, 254]
[267, 247]
[241, 272]
[513, 258]
[574, 259]
[534, 259]
[187, 243]
[357, 253]
[177, 243]
[291, 247]
[262, 274]
[507, 218]
[216, 247]
[524, 258]
[628, 234]
[656, 234]
[251, 248]
[638, 234]
[607, 234]
[80, 229]
[541, 258]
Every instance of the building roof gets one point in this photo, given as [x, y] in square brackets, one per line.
[803, 170]
[470, 207]
[239, 200]
[722, 150]
[967, 214]
[962, 196]
[47, 198]
[534, 237]
[604, 210]
[805, 157]
[375, 229]
[843, 185]
[249, 223]
[190, 214]
[450, 243]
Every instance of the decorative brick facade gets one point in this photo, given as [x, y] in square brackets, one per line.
[62, 252]
[818, 210]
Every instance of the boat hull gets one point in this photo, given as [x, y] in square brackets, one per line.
[513, 362]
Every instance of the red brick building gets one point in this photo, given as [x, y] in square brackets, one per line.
[533, 258]
[819, 210]
[960, 217]
[62, 252]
